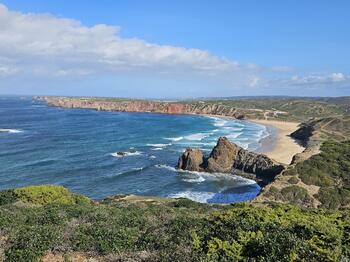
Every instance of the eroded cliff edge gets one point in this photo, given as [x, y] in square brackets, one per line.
[227, 157]
[125, 105]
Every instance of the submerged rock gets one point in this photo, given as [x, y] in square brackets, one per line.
[120, 153]
[227, 157]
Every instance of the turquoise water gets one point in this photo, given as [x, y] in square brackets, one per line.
[78, 149]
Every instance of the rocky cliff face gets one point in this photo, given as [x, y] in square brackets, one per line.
[145, 106]
[227, 157]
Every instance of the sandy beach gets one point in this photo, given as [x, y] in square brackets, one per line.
[284, 147]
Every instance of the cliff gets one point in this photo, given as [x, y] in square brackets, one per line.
[227, 157]
[145, 106]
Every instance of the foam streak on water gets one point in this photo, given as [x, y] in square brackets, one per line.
[79, 149]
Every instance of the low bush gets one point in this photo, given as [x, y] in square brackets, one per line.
[293, 180]
[46, 194]
[7, 197]
[296, 195]
[176, 232]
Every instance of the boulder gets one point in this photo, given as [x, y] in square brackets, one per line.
[191, 159]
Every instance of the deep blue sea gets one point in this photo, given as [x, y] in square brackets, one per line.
[78, 149]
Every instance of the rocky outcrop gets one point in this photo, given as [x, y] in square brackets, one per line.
[227, 157]
[222, 157]
[303, 133]
[192, 159]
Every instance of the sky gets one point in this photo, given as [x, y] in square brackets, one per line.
[175, 49]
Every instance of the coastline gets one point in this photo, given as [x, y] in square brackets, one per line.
[279, 146]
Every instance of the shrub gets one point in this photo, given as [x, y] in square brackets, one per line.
[290, 172]
[123, 230]
[30, 243]
[334, 197]
[46, 194]
[293, 180]
[7, 197]
[296, 195]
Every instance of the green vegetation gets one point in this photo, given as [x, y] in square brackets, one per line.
[293, 180]
[46, 194]
[178, 230]
[286, 108]
[329, 170]
[323, 129]
[290, 194]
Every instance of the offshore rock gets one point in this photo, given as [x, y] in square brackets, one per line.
[227, 157]
[192, 160]
[222, 156]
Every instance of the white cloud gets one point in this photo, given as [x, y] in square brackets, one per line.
[318, 79]
[41, 45]
[7, 71]
[337, 77]
[68, 46]
[254, 81]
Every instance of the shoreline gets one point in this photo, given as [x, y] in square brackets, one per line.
[279, 146]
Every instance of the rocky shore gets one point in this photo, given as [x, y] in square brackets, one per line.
[227, 157]
[145, 106]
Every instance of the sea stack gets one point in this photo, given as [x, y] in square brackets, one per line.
[191, 159]
[227, 157]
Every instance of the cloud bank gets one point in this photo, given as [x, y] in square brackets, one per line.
[43, 46]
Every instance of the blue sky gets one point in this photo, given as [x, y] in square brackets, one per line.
[175, 48]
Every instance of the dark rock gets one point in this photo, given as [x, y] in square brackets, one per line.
[121, 153]
[303, 133]
[191, 159]
[222, 156]
[227, 157]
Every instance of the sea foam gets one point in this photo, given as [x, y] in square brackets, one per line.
[175, 138]
[11, 131]
[125, 154]
[201, 197]
[197, 136]
[158, 145]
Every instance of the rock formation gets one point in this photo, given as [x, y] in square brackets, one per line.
[227, 157]
[192, 159]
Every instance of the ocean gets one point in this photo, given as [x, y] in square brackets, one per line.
[78, 148]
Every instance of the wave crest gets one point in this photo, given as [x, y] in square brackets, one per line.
[11, 131]
[125, 154]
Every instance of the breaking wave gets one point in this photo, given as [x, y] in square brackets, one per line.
[125, 154]
[11, 131]
[197, 136]
[175, 138]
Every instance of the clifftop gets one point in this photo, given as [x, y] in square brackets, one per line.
[134, 229]
[278, 108]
